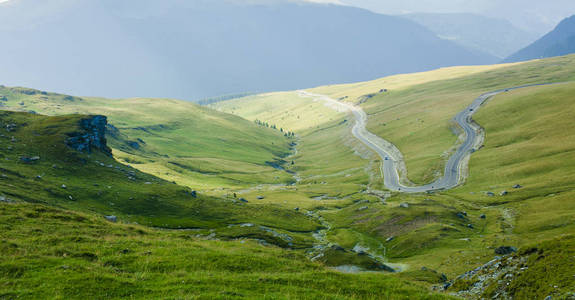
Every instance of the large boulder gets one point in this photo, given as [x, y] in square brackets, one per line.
[91, 136]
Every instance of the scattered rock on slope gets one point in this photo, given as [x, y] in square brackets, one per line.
[504, 250]
[112, 219]
[29, 160]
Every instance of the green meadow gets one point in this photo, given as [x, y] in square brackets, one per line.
[60, 254]
[211, 204]
[175, 140]
[528, 142]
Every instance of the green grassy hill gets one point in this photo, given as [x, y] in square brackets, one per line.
[56, 243]
[60, 254]
[322, 154]
[529, 134]
[317, 194]
[175, 140]
[523, 147]
[38, 166]
[418, 118]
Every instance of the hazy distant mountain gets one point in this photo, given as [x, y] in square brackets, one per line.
[496, 37]
[537, 17]
[195, 48]
[560, 41]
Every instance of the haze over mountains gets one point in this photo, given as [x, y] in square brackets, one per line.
[537, 17]
[560, 41]
[492, 36]
[194, 49]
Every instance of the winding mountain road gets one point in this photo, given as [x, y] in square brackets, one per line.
[392, 158]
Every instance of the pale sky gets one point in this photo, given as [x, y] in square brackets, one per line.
[538, 16]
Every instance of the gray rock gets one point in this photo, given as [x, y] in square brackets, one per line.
[490, 194]
[63, 186]
[243, 200]
[261, 197]
[483, 216]
[470, 226]
[133, 144]
[91, 136]
[112, 219]
[389, 239]
[517, 186]
[29, 160]
[503, 193]
[404, 205]
[297, 209]
[362, 208]
[11, 127]
[504, 250]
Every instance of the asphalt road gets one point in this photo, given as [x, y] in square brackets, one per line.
[452, 175]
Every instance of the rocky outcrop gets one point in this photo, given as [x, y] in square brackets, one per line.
[92, 136]
[505, 250]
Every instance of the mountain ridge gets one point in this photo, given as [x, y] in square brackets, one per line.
[559, 42]
[468, 30]
[213, 48]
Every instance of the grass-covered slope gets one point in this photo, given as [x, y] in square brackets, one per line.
[416, 111]
[529, 142]
[536, 271]
[175, 140]
[59, 254]
[56, 243]
[328, 162]
[355, 92]
[38, 165]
